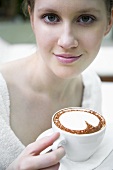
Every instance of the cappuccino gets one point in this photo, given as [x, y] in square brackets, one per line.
[79, 121]
[81, 132]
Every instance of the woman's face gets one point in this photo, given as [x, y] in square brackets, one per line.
[69, 33]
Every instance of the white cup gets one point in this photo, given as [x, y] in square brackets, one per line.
[78, 147]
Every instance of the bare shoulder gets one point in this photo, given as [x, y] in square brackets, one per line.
[12, 69]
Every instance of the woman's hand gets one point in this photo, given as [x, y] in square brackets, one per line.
[30, 158]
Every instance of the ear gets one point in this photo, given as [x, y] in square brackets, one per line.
[110, 23]
[31, 17]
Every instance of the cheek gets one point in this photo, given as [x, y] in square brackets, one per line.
[45, 38]
[92, 39]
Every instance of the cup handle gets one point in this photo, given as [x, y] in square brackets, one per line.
[61, 141]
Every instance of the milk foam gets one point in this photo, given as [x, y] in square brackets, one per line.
[75, 120]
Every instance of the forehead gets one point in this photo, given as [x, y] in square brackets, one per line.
[69, 5]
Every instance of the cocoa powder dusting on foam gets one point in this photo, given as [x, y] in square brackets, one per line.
[89, 129]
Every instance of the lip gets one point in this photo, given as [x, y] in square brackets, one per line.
[67, 58]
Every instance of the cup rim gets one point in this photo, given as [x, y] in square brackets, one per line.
[75, 134]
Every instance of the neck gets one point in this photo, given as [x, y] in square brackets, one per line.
[44, 81]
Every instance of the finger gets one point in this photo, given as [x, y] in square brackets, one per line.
[36, 147]
[46, 160]
[50, 159]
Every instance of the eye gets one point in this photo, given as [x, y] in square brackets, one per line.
[86, 19]
[51, 18]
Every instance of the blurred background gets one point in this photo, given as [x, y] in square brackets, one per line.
[14, 26]
[17, 41]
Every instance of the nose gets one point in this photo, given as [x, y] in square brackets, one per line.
[67, 39]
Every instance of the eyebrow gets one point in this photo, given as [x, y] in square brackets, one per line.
[89, 10]
[46, 10]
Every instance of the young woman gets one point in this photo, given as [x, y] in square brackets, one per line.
[68, 36]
